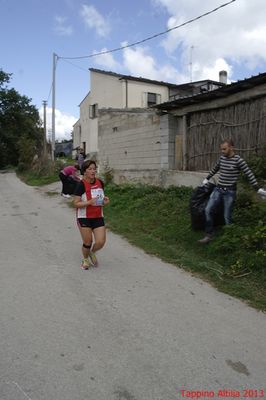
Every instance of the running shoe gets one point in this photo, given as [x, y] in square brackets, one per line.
[93, 259]
[85, 264]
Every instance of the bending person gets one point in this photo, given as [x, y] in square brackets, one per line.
[69, 178]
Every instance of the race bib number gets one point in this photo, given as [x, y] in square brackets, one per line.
[99, 194]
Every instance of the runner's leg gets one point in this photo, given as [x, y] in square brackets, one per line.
[86, 234]
[99, 238]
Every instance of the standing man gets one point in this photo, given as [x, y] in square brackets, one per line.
[229, 165]
[81, 159]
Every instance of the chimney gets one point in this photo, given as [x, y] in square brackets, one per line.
[223, 77]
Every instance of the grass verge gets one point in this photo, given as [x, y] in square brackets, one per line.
[34, 179]
[158, 221]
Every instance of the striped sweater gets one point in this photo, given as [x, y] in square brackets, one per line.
[229, 168]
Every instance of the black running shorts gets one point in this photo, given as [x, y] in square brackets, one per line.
[91, 223]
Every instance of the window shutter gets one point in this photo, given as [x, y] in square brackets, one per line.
[91, 111]
[144, 99]
[158, 98]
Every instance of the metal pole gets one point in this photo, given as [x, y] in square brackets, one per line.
[44, 130]
[184, 133]
[191, 63]
[53, 107]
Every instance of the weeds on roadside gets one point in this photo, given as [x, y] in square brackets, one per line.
[158, 220]
[42, 172]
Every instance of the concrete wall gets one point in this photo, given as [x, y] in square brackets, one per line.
[160, 177]
[129, 139]
[184, 178]
[137, 139]
[139, 146]
[168, 132]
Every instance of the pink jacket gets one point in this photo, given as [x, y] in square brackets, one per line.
[70, 170]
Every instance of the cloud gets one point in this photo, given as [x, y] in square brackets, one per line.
[94, 20]
[211, 70]
[106, 60]
[143, 64]
[61, 28]
[63, 124]
[140, 63]
[235, 34]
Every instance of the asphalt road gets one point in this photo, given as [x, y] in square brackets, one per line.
[136, 328]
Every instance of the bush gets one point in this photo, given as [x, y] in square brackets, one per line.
[21, 167]
[256, 240]
[27, 150]
[244, 199]
[258, 165]
[107, 175]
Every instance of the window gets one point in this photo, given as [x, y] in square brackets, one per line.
[149, 99]
[94, 111]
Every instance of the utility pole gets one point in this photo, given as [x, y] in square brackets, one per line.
[55, 57]
[44, 130]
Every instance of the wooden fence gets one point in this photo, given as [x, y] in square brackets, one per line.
[244, 123]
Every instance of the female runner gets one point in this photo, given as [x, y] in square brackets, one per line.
[89, 201]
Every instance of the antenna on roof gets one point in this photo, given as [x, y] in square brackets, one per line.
[191, 64]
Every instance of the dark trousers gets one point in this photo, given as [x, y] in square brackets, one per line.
[68, 183]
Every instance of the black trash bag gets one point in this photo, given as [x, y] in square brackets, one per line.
[198, 202]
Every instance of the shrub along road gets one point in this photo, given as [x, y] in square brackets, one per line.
[136, 328]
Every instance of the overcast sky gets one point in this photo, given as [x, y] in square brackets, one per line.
[233, 38]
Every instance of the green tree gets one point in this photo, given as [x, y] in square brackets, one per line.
[19, 122]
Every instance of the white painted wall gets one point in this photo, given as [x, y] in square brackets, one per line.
[76, 135]
[108, 91]
[137, 89]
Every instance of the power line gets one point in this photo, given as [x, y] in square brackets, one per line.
[50, 91]
[56, 58]
[69, 62]
[74, 65]
[138, 42]
[150, 37]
